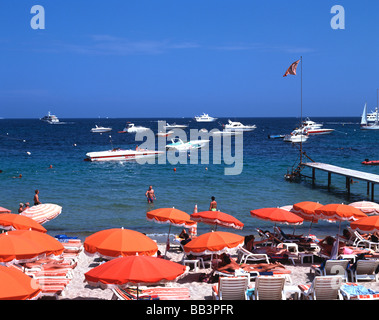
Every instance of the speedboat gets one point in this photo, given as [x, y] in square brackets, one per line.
[164, 133]
[297, 135]
[131, 128]
[118, 154]
[225, 133]
[238, 126]
[179, 145]
[100, 129]
[205, 118]
[174, 125]
[314, 128]
[50, 118]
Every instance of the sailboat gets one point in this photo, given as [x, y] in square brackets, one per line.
[366, 125]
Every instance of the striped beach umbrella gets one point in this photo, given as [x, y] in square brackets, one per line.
[43, 212]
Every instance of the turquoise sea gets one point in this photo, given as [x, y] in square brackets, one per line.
[97, 196]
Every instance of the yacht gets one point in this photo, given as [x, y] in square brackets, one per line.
[314, 128]
[365, 125]
[98, 129]
[238, 126]
[205, 117]
[50, 118]
[175, 126]
[118, 154]
[372, 116]
[131, 128]
[178, 145]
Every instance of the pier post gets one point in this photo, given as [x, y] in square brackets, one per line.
[348, 186]
[313, 175]
[329, 180]
[372, 192]
[368, 188]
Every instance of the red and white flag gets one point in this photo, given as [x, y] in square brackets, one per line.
[292, 69]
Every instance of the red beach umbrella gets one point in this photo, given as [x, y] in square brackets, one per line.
[217, 218]
[134, 270]
[11, 221]
[119, 242]
[43, 212]
[213, 243]
[366, 225]
[16, 285]
[277, 215]
[4, 210]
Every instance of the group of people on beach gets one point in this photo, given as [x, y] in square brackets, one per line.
[22, 207]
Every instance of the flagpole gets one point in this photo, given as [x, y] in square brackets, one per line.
[301, 108]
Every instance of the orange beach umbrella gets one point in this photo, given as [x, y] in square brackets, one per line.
[134, 270]
[171, 216]
[43, 212]
[16, 285]
[11, 221]
[26, 245]
[339, 212]
[277, 215]
[217, 218]
[306, 210]
[213, 243]
[119, 242]
[364, 225]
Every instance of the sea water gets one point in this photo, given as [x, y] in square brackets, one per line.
[102, 195]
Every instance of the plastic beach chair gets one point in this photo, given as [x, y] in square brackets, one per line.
[353, 291]
[365, 270]
[269, 288]
[322, 288]
[332, 268]
[230, 288]
[245, 256]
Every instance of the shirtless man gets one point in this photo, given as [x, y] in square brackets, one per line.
[213, 205]
[150, 195]
[36, 198]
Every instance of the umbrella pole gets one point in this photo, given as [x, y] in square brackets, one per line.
[168, 240]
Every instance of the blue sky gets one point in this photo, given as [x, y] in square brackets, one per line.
[170, 58]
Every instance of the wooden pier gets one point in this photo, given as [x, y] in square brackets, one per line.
[350, 174]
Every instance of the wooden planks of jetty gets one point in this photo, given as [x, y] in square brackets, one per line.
[350, 174]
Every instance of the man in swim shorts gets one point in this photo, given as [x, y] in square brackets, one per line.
[150, 195]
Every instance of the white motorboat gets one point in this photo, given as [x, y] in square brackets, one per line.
[164, 133]
[205, 117]
[225, 133]
[175, 126]
[98, 129]
[50, 118]
[365, 125]
[238, 126]
[118, 154]
[297, 135]
[314, 128]
[372, 115]
[131, 128]
[179, 145]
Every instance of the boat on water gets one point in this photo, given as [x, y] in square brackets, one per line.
[98, 129]
[178, 145]
[50, 118]
[238, 126]
[205, 117]
[118, 154]
[225, 133]
[276, 136]
[297, 135]
[371, 162]
[175, 126]
[131, 128]
[314, 128]
[365, 125]
[372, 116]
[164, 133]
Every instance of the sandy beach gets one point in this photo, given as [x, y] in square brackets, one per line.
[78, 289]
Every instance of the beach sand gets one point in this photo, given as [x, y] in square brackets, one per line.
[78, 289]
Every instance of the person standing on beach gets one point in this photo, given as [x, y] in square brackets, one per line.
[213, 205]
[150, 195]
[36, 198]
